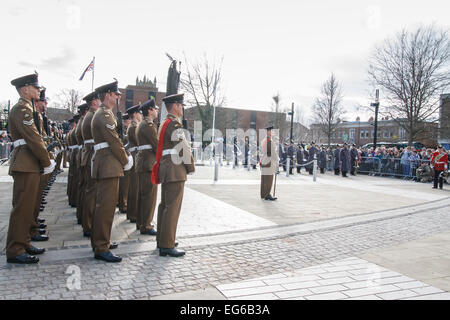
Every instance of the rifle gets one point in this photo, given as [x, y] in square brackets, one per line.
[37, 121]
[119, 125]
[45, 123]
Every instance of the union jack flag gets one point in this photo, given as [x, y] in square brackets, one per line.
[90, 67]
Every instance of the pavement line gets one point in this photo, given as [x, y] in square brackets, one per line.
[196, 242]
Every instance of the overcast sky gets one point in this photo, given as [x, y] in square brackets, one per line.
[269, 47]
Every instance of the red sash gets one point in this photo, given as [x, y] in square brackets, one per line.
[264, 147]
[159, 150]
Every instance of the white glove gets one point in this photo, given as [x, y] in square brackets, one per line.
[445, 166]
[129, 164]
[50, 168]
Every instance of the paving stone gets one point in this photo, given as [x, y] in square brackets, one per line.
[327, 296]
[395, 295]
[370, 290]
[266, 296]
[427, 290]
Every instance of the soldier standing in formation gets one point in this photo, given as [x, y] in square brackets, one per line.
[124, 182]
[132, 200]
[322, 161]
[337, 160]
[81, 175]
[109, 161]
[37, 230]
[171, 169]
[353, 159]
[93, 103]
[147, 139]
[28, 158]
[73, 146]
[312, 151]
[299, 157]
[269, 166]
[344, 157]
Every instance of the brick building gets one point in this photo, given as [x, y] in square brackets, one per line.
[138, 93]
[362, 132]
[233, 118]
[444, 121]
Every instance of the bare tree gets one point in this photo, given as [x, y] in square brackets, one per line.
[327, 108]
[68, 99]
[412, 69]
[202, 82]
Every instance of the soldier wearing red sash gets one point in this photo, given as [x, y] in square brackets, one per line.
[174, 161]
[439, 162]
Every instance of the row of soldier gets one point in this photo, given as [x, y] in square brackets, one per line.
[98, 160]
[344, 158]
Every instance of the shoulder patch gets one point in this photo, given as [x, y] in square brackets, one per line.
[26, 115]
[110, 126]
[28, 123]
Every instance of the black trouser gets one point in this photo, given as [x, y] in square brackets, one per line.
[437, 178]
[298, 167]
[336, 171]
[344, 173]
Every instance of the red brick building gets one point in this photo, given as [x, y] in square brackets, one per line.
[362, 132]
[444, 121]
[138, 93]
[232, 118]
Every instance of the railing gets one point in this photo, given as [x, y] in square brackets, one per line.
[5, 152]
[392, 167]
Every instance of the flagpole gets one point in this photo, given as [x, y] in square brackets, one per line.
[93, 68]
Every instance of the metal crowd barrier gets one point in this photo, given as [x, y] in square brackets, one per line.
[5, 152]
[392, 167]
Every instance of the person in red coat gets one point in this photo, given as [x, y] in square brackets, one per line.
[439, 162]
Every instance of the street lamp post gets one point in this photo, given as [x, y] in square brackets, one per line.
[216, 165]
[376, 104]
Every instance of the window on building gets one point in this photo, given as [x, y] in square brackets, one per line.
[362, 134]
[151, 94]
[401, 133]
[367, 134]
[385, 134]
[352, 133]
[129, 95]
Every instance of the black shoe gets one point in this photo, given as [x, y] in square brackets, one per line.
[176, 245]
[73, 206]
[42, 231]
[39, 220]
[108, 257]
[42, 226]
[123, 211]
[39, 237]
[23, 258]
[171, 252]
[151, 232]
[434, 187]
[43, 202]
[79, 221]
[87, 234]
[33, 250]
[269, 197]
[132, 220]
[41, 209]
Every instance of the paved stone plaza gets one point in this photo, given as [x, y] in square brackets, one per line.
[356, 238]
